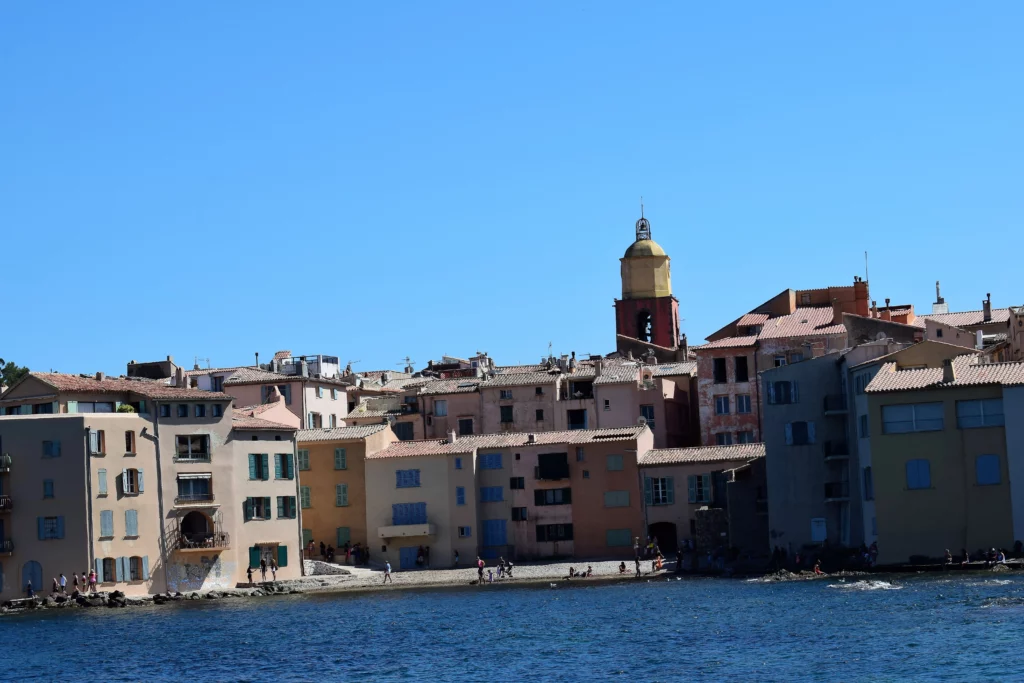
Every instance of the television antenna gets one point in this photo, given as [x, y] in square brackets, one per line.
[197, 359]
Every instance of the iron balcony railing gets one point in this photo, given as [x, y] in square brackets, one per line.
[835, 403]
[577, 395]
[200, 540]
[6, 546]
[837, 489]
[836, 449]
[5, 503]
[192, 457]
[193, 498]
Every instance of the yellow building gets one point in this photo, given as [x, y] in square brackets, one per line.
[940, 476]
[332, 482]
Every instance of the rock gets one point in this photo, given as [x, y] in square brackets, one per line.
[45, 602]
[193, 596]
[213, 595]
[116, 595]
[1000, 568]
[60, 599]
[159, 599]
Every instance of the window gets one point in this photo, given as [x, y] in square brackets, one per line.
[912, 417]
[407, 479]
[200, 410]
[539, 414]
[743, 404]
[795, 357]
[919, 474]
[259, 466]
[490, 461]
[341, 495]
[579, 454]
[745, 436]
[577, 418]
[194, 487]
[614, 463]
[741, 369]
[607, 404]
[441, 408]
[780, 361]
[519, 514]
[109, 571]
[319, 392]
[618, 538]
[723, 439]
[303, 460]
[552, 466]
[131, 481]
[616, 499]
[304, 497]
[458, 463]
[721, 405]
[647, 412]
[106, 523]
[47, 488]
[869, 485]
[408, 513]
[135, 569]
[257, 508]
[52, 527]
[561, 496]
[460, 495]
[539, 391]
[506, 414]
[491, 494]
[340, 459]
[505, 395]
[342, 536]
[718, 370]
[987, 471]
[799, 433]
[131, 523]
[101, 476]
[586, 474]
[129, 443]
[218, 383]
[983, 413]
[405, 431]
[465, 426]
[783, 392]
[465, 532]
[517, 483]
[51, 449]
[314, 420]
[165, 410]
[283, 466]
[554, 532]
[192, 447]
[659, 490]
[699, 486]
[97, 442]
[333, 421]
[182, 410]
[94, 407]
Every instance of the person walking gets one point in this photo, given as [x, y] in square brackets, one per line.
[426, 556]
[479, 569]
[387, 572]
[248, 573]
[55, 588]
[263, 569]
[74, 576]
[28, 589]
[637, 561]
[63, 584]
[92, 581]
[456, 559]
[273, 568]
[323, 551]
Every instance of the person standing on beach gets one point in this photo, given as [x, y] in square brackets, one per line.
[248, 573]
[456, 559]
[637, 560]
[479, 569]
[28, 589]
[75, 577]
[273, 568]
[387, 572]
[63, 584]
[263, 569]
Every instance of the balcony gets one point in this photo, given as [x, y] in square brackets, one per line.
[6, 504]
[194, 500]
[192, 457]
[6, 546]
[577, 395]
[837, 491]
[835, 404]
[410, 408]
[200, 541]
[836, 450]
[406, 530]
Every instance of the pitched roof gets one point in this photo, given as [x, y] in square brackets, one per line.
[523, 379]
[251, 375]
[242, 420]
[378, 414]
[728, 343]
[519, 369]
[624, 373]
[809, 321]
[458, 385]
[350, 433]
[467, 444]
[966, 368]
[208, 371]
[671, 369]
[752, 319]
[701, 454]
[154, 389]
[967, 318]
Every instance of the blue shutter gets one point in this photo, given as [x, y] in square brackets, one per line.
[460, 495]
[648, 491]
[252, 465]
[141, 485]
[278, 466]
[99, 570]
[416, 477]
[103, 481]
[810, 432]
[265, 460]
[106, 523]
[671, 491]
[396, 514]
[131, 522]
[60, 526]
[119, 569]
[796, 392]
[42, 527]
[145, 568]
[691, 482]
[789, 433]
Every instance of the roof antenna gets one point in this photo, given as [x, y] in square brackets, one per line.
[866, 278]
[641, 206]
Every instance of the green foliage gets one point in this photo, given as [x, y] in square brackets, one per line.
[125, 408]
[11, 373]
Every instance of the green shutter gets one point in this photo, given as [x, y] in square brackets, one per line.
[266, 507]
[707, 487]
[254, 556]
[344, 535]
[303, 460]
[280, 507]
[278, 470]
[252, 465]
[691, 482]
[265, 460]
[307, 536]
[72, 406]
[247, 509]
[304, 493]
[671, 490]
[289, 462]
[282, 556]
[648, 491]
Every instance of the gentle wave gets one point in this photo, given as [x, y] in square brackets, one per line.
[867, 586]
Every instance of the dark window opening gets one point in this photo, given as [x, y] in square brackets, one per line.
[506, 414]
[719, 370]
[553, 466]
[577, 419]
[644, 326]
[554, 532]
[741, 369]
[552, 496]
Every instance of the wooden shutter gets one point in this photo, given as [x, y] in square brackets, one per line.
[344, 494]
[247, 509]
[254, 556]
[119, 569]
[102, 481]
[691, 482]
[282, 556]
[265, 461]
[810, 432]
[94, 441]
[252, 465]
[124, 480]
[648, 491]
[707, 487]
[278, 466]
[303, 459]
[344, 535]
[131, 522]
[789, 433]
[280, 507]
[796, 392]
[99, 570]
[41, 524]
[671, 490]
[60, 526]
[106, 523]
[266, 507]
[142, 486]
[289, 462]
[145, 567]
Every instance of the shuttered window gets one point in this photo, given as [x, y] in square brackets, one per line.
[616, 499]
[286, 507]
[659, 490]
[492, 494]
[303, 460]
[699, 486]
[405, 479]
[490, 461]
[102, 482]
[987, 471]
[343, 535]
[106, 523]
[259, 466]
[919, 474]
[408, 513]
[131, 523]
[283, 467]
[304, 493]
[340, 459]
[912, 417]
[614, 463]
[341, 495]
[460, 495]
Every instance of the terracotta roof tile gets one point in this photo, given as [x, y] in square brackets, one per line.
[728, 343]
[618, 374]
[519, 369]
[803, 322]
[701, 454]
[671, 369]
[240, 420]
[523, 379]
[467, 444]
[968, 371]
[752, 319]
[378, 414]
[154, 389]
[967, 318]
[459, 385]
[339, 433]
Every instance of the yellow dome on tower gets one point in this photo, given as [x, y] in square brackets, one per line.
[645, 267]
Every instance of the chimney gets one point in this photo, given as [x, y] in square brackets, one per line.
[452, 436]
[257, 360]
[531, 438]
[979, 340]
[170, 359]
[837, 311]
[385, 377]
[886, 314]
[597, 367]
[303, 368]
[100, 377]
[948, 371]
[987, 307]
[179, 377]
[874, 309]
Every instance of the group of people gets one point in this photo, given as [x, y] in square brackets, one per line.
[505, 568]
[573, 574]
[87, 581]
[264, 565]
[991, 557]
[354, 554]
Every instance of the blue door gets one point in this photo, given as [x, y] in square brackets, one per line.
[494, 538]
[407, 557]
[32, 571]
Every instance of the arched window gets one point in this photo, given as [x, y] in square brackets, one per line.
[32, 571]
[644, 326]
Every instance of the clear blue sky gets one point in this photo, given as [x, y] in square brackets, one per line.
[216, 179]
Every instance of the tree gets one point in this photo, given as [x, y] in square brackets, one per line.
[11, 373]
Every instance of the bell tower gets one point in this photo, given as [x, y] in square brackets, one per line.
[647, 311]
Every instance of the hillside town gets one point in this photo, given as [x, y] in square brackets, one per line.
[817, 424]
